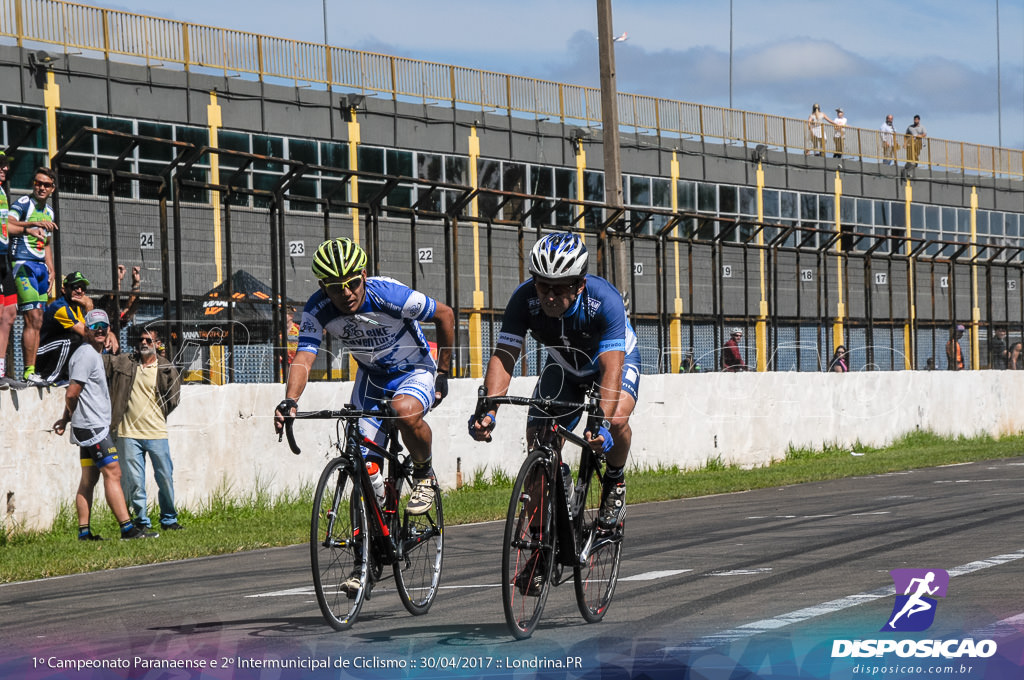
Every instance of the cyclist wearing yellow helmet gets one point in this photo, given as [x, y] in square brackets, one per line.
[378, 320]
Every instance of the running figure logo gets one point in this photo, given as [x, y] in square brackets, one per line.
[914, 610]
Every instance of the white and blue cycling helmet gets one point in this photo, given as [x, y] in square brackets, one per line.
[559, 256]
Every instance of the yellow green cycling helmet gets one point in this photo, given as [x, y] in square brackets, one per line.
[338, 258]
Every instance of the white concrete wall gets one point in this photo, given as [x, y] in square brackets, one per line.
[222, 438]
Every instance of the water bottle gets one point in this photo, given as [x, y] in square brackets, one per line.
[567, 483]
[377, 480]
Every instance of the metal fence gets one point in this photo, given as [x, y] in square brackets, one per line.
[154, 41]
[222, 279]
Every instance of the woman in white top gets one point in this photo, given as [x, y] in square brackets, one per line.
[814, 124]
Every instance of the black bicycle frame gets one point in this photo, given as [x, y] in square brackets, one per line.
[381, 529]
[566, 534]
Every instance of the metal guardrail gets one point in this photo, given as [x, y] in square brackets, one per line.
[928, 287]
[159, 41]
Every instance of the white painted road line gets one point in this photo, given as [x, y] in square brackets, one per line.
[741, 572]
[1001, 629]
[305, 590]
[308, 590]
[652, 575]
[756, 627]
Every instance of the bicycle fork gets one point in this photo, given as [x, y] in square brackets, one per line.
[564, 533]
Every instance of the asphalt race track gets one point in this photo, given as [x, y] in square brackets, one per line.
[749, 585]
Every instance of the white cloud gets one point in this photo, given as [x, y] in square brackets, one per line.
[799, 60]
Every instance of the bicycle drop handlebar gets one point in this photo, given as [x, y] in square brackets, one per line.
[485, 403]
[348, 412]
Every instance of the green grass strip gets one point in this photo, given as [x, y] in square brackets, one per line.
[228, 525]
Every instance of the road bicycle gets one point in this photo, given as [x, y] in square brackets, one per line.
[552, 522]
[351, 535]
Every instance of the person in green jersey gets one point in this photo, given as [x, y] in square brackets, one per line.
[31, 224]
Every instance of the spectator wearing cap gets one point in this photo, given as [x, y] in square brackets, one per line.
[63, 330]
[144, 389]
[954, 353]
[732, 359]
[839, 134]
[87, 410]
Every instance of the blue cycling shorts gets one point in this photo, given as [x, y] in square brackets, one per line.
[370, 391]
[32, 283]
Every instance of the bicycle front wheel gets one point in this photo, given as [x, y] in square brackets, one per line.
[597, 569]
[420, 547]
[528, 553]
[338, 546]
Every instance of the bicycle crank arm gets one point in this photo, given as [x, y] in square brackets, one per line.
[585, 550]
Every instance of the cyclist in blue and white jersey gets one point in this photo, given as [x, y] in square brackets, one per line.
[581, 319]
[31, 224]
[378, 320]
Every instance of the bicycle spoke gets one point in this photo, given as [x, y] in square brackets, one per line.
[338, 546]
[421, 550]
[528, 550]
[596, 575]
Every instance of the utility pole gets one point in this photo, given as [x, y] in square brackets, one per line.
[619, 274]
[325, 22]
[730, 54]
[999, 79]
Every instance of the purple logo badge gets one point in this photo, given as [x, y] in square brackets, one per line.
[914, 609]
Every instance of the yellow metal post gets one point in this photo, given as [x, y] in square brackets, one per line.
[214, 122]
[476, 349]
[837, 325]
[908, 329]
[51, 100]
[353, 164]
[675, 334]
[761, 328]
[217, 364]
[975, 309]
[581, 165]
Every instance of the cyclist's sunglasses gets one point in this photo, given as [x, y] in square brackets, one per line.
[351, 283]
[45, 185]
[559, 289]
[99, 327]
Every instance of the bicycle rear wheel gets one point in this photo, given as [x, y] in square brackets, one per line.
[420, 545]
[338, 545]
[597, 570]
[528, 553]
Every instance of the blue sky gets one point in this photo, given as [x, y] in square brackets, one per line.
[936, 58]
